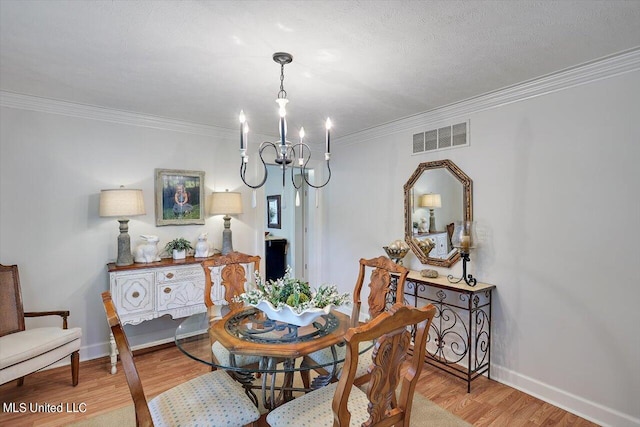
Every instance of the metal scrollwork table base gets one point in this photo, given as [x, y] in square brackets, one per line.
[459, 340]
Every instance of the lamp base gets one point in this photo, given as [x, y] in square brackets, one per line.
[227, 245]
[432, 221]
[124, 244]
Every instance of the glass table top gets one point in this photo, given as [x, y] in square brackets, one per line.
[246, 334]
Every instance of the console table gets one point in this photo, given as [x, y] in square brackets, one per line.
[461, 329]
[143, 292]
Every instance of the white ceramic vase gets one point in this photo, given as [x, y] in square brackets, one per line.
[179, 254]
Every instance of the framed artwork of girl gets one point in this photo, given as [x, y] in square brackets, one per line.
[179, 197]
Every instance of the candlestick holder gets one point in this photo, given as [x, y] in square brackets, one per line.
[468, 278]
[464, 238]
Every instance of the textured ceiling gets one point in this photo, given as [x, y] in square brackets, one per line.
[361, 62]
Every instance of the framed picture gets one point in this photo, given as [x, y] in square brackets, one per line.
[179, 197]
[274, 214]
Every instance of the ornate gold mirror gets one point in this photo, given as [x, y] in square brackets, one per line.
[436, 195]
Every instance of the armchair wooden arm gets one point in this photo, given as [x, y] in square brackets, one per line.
[63, 314]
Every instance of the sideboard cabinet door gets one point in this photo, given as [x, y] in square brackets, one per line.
[133, 296]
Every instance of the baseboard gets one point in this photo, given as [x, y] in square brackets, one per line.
[577, 405]
[100, 350]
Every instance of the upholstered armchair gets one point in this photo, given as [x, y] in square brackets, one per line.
[23, 351]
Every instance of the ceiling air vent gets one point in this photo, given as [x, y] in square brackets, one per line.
[442, 138]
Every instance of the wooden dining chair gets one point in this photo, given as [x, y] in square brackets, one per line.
[230, 277]
[450, 227]
[213, 399]
[382, 295]
[26, 350]
[225, 276]
[342, 404]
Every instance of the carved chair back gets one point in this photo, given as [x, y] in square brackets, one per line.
[11, 309]
[391, 365]
[450, 228]
[381, 292]
[143, 415]
[233, 274]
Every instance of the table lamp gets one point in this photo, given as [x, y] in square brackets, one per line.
[122, 203]
[226, 203]
[464, 238]
[430, 201]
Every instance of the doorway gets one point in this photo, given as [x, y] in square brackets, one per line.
[294, 220]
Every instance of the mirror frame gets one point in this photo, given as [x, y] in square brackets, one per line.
[467, 204]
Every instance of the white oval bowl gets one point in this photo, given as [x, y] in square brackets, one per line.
[288, 315]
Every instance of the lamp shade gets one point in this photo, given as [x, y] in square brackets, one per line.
[121, 202]
[226, 203]
[430, 200]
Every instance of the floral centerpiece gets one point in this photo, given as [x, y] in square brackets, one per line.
[292, 300]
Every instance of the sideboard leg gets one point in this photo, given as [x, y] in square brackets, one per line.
[113, 354]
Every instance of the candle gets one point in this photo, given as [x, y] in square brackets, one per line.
[246, 135]
[282, 102]
[282, 131]
[465, 242]
[328, 126]
[242, 120]
[301, 158]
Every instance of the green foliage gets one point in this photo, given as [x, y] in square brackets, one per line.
[295, 287]
[168, 213]
[293, 292]
[180, 244]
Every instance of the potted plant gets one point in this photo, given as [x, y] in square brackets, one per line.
[178, 247]
[291, 300]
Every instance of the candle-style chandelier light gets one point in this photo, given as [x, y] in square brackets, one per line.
[287, 153]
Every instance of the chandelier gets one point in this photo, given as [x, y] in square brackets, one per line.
[288, 155]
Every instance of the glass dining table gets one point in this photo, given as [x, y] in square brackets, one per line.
[249, 345]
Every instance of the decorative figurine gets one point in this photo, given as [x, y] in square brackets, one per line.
[424, 225]
[147, 251]
[202, 247]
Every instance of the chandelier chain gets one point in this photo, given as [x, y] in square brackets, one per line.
[283, 93]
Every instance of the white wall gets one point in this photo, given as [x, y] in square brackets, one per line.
[554, 198]
[52, 168]
[557, 204]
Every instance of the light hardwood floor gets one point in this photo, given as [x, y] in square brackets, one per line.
[489, 403]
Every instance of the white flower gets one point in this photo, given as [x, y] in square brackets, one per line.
[295, 291]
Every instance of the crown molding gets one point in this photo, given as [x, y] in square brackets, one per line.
[66, 108]
[603, 68]
[586, 73]
[45, 105]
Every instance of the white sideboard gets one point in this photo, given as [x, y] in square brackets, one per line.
[143, 292]
[440, 238]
